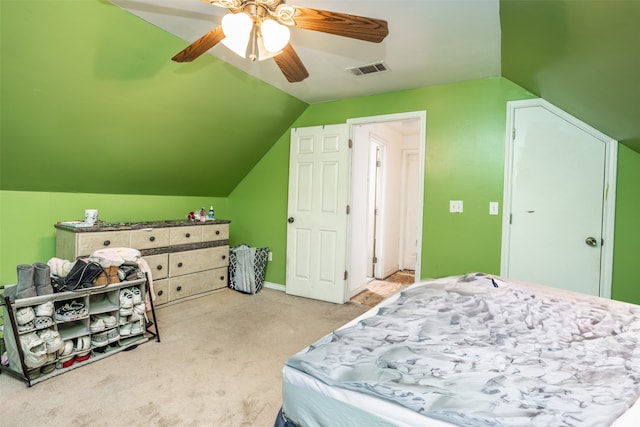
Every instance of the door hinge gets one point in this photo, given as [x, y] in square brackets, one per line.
[348, 209]
[375, 259]
[378, 163]
[513, 134]
[346, 275]
[510, 218]
[601, 242]
[350, 143]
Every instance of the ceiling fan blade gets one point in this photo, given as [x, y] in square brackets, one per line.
[200, 46]
[341, 24]
[291, 65]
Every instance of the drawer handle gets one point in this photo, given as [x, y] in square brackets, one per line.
[160, 293]
[217, 231]
[221, 277]
[179, 264]
[159, 267]
[179, 288]
[224, 257]
[152, 239]
[106, 243]
[187, 235]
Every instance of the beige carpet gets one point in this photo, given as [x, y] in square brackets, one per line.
[219, 364]
[377, 290]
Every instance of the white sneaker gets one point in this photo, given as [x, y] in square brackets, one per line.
[51, 339]
[136, 328]
[125, 330]
[96, 325]
[45, 309]
[126, 298]
[109, 320]
[25, 315]
[34, 349]
[136, 296]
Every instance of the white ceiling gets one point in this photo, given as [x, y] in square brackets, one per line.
[430, 42]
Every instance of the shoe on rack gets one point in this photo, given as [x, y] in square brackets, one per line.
[66, 349]
[25, 315]
[126, 311]
[48, 368]
[27, 327]
[108, 319]
[71, 311]
[42, 278]
[125, 330]
[34, 349]
[140, 308]
[42, 322]
[136, 328]
[126, 298]
[96, 325]
[65, 362]
[51, 339]
[25, 287]
[82, 356]
[136, 296]
[45, 309]
[113, 335]
[99, 340]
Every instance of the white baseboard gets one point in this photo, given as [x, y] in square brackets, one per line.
[275, 286]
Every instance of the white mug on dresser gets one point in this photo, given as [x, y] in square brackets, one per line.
[90, 216]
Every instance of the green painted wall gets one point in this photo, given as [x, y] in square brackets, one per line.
[580, 55]
[465, 160]
[90, 102]
[626, 285]
[27, 234]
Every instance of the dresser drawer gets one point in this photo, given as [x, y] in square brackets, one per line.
[150, 238]
[161, 290]
[198, 260]
[159, 265]
[88, 242]
[215, 232]
[191, 284]
[184, 235]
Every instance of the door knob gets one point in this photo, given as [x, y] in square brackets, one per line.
[290, 220]
[591, 241]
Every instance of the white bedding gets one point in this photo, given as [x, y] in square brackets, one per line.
[462, 351]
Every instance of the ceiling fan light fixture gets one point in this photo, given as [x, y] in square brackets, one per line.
[237, 32]
[275, 35]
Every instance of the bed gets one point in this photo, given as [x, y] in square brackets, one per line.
[473, 350]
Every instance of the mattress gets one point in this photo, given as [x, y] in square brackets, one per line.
[473, 350]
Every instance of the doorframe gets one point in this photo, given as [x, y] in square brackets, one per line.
[421, 115]
[609, 199]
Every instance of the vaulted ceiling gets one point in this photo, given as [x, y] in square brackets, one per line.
[582, 56]
[90, 101]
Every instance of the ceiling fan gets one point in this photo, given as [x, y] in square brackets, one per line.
[258, 29]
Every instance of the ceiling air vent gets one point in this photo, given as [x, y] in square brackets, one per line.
[364, 70]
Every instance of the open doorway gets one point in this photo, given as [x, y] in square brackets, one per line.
[387, 181]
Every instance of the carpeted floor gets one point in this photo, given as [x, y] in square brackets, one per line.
[377, 290]
[219, 364]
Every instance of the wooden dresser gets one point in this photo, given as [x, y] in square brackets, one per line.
[186, 258]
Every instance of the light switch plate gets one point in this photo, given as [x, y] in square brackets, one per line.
[494, 208]
[455, 206]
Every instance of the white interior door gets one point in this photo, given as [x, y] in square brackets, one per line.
[317, 213]
[410, 170]
[554, 225]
